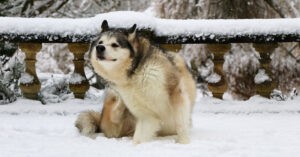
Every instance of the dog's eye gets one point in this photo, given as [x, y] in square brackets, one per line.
[114, 45]
[100, 42]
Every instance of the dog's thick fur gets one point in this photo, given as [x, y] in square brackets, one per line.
[151, 90]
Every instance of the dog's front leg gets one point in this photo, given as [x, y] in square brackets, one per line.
[146, 129]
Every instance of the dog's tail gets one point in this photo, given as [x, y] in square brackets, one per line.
[88, 122]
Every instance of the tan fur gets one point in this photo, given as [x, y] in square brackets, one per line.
[88, 122]
[116, 120]
[156, 99]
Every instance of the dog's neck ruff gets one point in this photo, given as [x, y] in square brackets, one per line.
[139, 54]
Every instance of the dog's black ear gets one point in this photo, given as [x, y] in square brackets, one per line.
[132, 32]
[104, 26]
[132, 29]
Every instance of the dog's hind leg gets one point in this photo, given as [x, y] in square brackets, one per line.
[181, 104]
[146, 129]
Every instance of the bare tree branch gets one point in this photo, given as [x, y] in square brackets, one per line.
[43, 7]
[275, 7]
[58, 7]
[97, 3]
[64, 14]
[25, 6]
[7, 7]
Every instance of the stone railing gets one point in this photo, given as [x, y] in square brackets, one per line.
[218, 44]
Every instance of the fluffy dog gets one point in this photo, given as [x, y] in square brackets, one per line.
[151, 91]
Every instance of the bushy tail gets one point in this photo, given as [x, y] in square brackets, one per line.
[88, 122]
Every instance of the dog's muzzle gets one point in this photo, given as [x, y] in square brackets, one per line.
[100, 52]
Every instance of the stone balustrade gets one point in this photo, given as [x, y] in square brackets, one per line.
[218, 44]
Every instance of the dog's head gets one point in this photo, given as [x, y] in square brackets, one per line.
[113, 46]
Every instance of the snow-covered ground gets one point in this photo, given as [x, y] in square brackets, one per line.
[257, 127]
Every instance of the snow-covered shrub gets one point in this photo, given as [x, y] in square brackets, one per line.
[55, 58]
[55, 89]
[240, 66]
[285, 68]
[6, 95]
[280, 96]
[201, 65]
[11, 68]
[200, 62]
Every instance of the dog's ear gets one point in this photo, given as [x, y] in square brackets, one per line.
[132, 32]
[104, 26]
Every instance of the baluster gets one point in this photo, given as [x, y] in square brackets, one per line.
[219, 88]
[265, 51]
[79, 88]
[30, 90]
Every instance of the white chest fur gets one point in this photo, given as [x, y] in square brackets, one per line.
[147, 92]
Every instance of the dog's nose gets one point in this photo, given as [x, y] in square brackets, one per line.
[100, 48]
[100, 51]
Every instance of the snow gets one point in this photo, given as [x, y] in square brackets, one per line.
[125, 19]
[213, 78]
[76, 78]
[26, 78]
[261, 77]
[257, 127]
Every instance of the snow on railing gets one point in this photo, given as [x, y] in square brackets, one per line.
[30, 33]
[161, 30]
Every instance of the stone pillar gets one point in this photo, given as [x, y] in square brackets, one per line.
[265, 50]
[30, 90]
[219, 88]
[79, 88]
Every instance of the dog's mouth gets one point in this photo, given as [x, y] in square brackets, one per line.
[102, 58]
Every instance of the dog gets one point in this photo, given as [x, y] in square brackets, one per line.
[151, 91]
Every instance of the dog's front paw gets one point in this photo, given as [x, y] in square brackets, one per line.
[136, 142]
[183, 140]
[139, 140]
